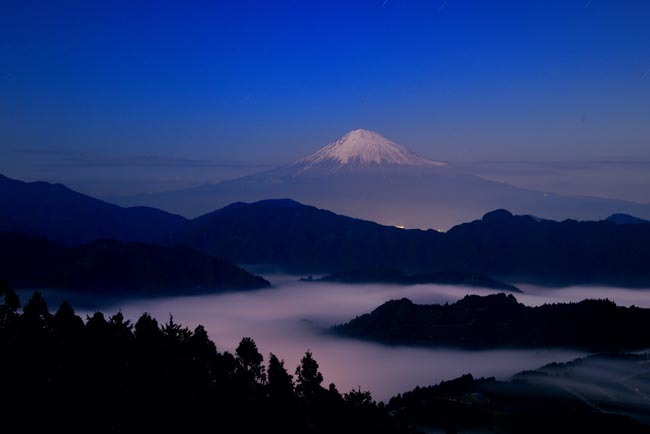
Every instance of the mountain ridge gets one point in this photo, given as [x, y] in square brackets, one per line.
[61, 214]
[625, 219]
[116, 268]
[302, 239]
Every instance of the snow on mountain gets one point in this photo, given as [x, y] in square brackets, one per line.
[367, 176]
[360, 148]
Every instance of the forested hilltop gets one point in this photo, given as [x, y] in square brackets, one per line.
[499, 320]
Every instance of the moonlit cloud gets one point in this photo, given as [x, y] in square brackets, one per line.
[292, 317]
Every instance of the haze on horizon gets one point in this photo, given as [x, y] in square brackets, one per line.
[131, 98]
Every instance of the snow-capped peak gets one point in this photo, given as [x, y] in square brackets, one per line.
[363, 148]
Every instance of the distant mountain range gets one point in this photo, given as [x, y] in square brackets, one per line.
[498, 320]
[289, 236]
[60, 214]
[396, 277]
[365, 175]
[625, 219]
[109, 266]
[304, 239]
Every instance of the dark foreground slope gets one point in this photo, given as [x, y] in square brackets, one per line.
[56, 212]
[390, 276]
[107, 375]
[118, 268]
[500, 321]
[597, 394]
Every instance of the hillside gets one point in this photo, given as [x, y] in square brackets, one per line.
[499, 321]
[117, 268]
[304, 239]
[61, 214]
[291, 237]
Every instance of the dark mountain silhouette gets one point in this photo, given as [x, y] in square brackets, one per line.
[60, 214]
[118, 268]
[387, 275]
[500, 321]
[596, 394]
[304, 239]
[624, 219]
[555, 253]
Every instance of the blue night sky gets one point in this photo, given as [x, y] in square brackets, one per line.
[270, 81]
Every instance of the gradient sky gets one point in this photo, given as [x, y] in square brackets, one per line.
[270, 81]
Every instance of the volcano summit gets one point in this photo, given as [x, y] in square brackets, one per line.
[359, 149]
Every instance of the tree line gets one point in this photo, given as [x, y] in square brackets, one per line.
[107, 374]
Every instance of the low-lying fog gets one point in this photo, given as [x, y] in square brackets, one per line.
[293, 317]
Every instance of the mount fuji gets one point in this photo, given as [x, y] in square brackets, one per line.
[365, 175]
[357, 150]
